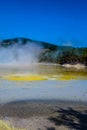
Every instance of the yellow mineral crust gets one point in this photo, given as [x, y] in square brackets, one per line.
[39, 77]
[25, 77]
[68, 77]
[5, 126]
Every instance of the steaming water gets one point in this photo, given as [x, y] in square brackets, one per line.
[19, 54]
[12, 90]
[18, 61]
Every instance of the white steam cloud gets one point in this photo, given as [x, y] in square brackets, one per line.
[20, 54]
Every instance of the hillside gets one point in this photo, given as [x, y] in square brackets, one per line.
[52, 53]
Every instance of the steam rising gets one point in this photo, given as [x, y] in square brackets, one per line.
[20, 54]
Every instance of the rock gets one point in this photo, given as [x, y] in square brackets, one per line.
[77, 66]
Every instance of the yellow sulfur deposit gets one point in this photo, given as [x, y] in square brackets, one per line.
[39, 77]
[25, 77]
[68, 77]
[5, 126]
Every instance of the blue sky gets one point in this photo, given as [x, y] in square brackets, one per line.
[62, 22]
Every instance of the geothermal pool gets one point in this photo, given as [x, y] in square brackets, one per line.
[42, 82]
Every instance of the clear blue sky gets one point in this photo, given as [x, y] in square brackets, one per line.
[54, 21]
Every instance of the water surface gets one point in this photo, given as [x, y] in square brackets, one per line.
[61, 84]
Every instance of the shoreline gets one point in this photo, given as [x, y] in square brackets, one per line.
[66, 65]
[36, 107]
[52, 101]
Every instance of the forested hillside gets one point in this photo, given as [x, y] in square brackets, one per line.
[52, 53]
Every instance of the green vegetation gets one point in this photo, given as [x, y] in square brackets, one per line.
[64, 55]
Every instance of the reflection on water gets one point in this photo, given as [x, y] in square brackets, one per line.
[54, 83]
